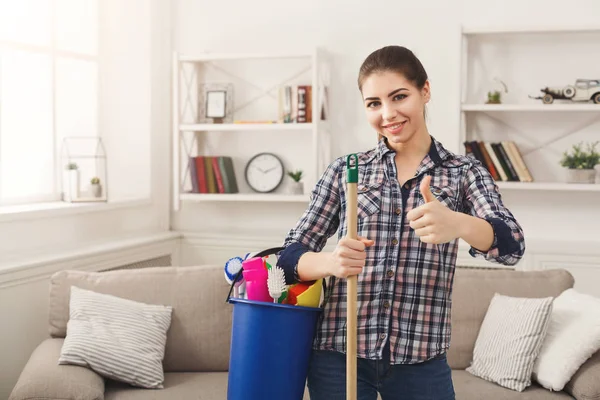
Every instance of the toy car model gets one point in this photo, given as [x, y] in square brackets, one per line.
[583, 90]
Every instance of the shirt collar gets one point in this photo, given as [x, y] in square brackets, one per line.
[437, 153]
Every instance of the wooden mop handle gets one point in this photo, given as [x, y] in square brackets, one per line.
[352, 281]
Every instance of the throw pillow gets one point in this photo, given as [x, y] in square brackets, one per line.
[118, 338]
[573, 337]
[509, 340]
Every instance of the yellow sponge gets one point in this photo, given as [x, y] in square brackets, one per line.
[311, 297]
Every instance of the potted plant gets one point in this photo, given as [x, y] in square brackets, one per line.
[581, 163]
[71, 182]
[495, 97]
[96, 187]
[297, 187]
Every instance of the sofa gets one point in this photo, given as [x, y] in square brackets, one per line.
[197, 348]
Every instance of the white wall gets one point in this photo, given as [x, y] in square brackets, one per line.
[135, 120]
[350, 30]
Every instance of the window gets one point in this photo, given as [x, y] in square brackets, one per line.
[48, 91]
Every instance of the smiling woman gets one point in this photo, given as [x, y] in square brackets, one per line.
[415, 201]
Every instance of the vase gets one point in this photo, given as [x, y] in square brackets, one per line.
[580, 175]
[297, 188]
[96, 189]
[70, 184]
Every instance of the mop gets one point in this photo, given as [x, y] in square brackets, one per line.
[352, 281]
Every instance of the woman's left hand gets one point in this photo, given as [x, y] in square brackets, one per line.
[433, 222]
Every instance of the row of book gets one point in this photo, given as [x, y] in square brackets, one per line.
[295, 104]
[212, 174]
[502, 159]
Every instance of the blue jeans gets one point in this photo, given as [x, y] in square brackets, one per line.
[429, 380]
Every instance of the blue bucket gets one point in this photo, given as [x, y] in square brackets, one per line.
[271, 346]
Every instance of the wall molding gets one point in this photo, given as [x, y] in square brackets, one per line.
[91, 258]
[199, 247]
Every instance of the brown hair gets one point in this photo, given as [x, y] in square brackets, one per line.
[394, 59]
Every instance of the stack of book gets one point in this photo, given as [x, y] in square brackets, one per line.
[212, 174]
[502, 159]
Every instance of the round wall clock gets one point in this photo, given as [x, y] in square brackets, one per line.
[264, 172]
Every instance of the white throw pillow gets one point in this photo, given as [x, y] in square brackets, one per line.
[118, 338]
[509, 340]
[573, 337]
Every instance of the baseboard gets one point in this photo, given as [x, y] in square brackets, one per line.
[100, 257]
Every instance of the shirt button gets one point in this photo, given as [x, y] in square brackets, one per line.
[395, 242]
[390, 273]
[398, 211]
[406, 186]
[382, 336]
[386, 304]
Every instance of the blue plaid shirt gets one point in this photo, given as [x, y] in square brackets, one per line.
[405, 289]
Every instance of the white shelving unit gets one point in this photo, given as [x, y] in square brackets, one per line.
[528, 59]
[256, 79]
[549, 186]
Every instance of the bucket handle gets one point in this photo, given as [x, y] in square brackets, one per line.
[264, 253]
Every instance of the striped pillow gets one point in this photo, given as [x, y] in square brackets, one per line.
[510, 340]
[117, 338]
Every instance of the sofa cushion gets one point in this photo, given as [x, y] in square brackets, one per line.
[473, 290]
[200, 333]
[585, 385]
[573, 337]
[43, 379]
[178, 385]
[510, 339]
[469, 387]
[118, 338]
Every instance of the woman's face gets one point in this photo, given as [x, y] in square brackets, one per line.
[394, 106]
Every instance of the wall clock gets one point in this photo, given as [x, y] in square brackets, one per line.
[264, 172]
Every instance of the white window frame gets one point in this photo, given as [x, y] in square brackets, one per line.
[54, 54]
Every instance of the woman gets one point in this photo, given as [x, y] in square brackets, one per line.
[415, 200]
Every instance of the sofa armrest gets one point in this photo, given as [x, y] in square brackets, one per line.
[43, 379]
[585, 384]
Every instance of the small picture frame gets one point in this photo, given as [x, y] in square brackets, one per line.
[215, 103]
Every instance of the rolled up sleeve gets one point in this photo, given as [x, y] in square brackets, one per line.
[317, 224]
[483, 200]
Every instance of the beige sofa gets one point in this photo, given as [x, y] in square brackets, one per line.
[197, 351]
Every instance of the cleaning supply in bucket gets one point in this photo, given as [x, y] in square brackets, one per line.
[276, 283]
[232, 268]
[256, 275]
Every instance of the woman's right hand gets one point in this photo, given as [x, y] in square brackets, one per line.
[349, 257]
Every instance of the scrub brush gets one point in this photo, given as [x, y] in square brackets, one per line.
[276, 283]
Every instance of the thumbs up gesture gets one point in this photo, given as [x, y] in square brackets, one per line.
[433, 222]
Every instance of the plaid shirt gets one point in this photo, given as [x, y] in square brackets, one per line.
[405, 289]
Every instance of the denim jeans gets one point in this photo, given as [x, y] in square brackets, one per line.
[429, 380]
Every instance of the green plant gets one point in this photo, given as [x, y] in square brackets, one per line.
[295, 175]
[581, 159]
[72, 166]
[95, 180]
[494, 97]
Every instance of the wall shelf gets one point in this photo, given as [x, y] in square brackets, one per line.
[245, 127]
[256, 100]
[525, 59]
[531, 107]
[550, 186]
[251, 197]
